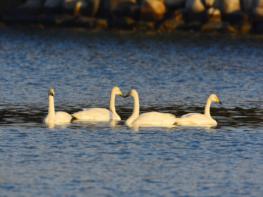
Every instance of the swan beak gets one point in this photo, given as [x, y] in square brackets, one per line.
[120, 93]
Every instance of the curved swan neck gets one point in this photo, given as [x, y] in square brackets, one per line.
[207, 107]
[51, 107]
[112, 103]
[136, 110]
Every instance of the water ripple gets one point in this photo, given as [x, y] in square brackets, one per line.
[173, 73]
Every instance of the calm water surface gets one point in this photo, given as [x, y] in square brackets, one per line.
[173, 73]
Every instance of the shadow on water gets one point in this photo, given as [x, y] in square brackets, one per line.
[236, 117]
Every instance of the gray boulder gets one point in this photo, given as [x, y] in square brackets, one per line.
[247, 5]
[195, 6]
[153, 10]
[8, 5]
[258, 8]
[53, 5]
[173, 4]
[210, 3]
[82, 7]
[109, 8]
[33, 5]
[230, 7]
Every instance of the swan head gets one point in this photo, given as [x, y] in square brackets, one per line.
[117, 91]
[51, 92]
[215, 98]
[132, 93]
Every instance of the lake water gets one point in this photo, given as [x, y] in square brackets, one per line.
[173, 73]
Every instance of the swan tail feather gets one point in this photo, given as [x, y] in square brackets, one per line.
[176, 122]
[73, 119]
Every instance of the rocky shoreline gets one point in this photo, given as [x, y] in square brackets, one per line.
[233, 16]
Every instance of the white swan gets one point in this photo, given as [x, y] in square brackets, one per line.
[100, 114]
[149, 119]
[55, 118]
[196, 119]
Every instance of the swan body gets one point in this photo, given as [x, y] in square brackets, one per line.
[154, 119]
[148, 119]
[59, 118]
[55, 118]
[196, 119]
[95, 115]
[100, 114]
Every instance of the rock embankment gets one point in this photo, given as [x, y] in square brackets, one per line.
[235, 16]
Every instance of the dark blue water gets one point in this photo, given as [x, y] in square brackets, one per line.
[173, 73]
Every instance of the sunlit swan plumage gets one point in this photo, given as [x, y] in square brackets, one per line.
[148, 119]
[55, 118]
[196, 119]
[100, 114]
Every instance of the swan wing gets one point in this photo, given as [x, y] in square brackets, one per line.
[93, 115]
[155, 119]
[189, 115]
[62, 117]
[195, 119]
